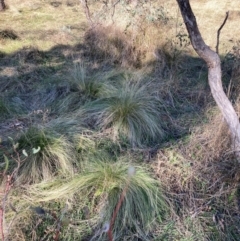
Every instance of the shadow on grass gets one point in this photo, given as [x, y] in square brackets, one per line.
[40, 78]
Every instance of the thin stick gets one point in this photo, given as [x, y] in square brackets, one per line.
[219, 30]
[1, 223]
[113, 7]
[86, 10]
[123, 194]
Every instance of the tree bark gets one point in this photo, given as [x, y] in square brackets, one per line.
[2, 5]
[214, 73]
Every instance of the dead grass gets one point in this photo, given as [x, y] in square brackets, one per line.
[39, 24]
[202, 177]
[110, 43]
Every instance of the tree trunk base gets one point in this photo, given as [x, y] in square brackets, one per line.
[236, 149]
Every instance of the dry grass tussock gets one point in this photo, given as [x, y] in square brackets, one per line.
[129, 32]
[111, 44]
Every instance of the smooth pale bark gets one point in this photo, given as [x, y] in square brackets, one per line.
[2, 5]
[214, 73]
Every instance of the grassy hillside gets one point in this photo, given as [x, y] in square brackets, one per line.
[108, 126]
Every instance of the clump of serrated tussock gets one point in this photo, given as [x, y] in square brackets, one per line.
[132, 110]
[55, 155]
[104, 181]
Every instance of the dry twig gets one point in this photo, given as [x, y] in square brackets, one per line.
[219, 30]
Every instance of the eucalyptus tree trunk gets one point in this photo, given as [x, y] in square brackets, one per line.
[214, 74]
[2, 5]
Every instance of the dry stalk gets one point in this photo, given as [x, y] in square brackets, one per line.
[86, 10]
[119, 204]
[219, 30]
[9, 184]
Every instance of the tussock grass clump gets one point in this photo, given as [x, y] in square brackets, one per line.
[142, 208]
[91, 86]
[132, 110]
[85, 85]
[110, 44]
[54, 157]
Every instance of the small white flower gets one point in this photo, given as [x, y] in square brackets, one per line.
[24, 153]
